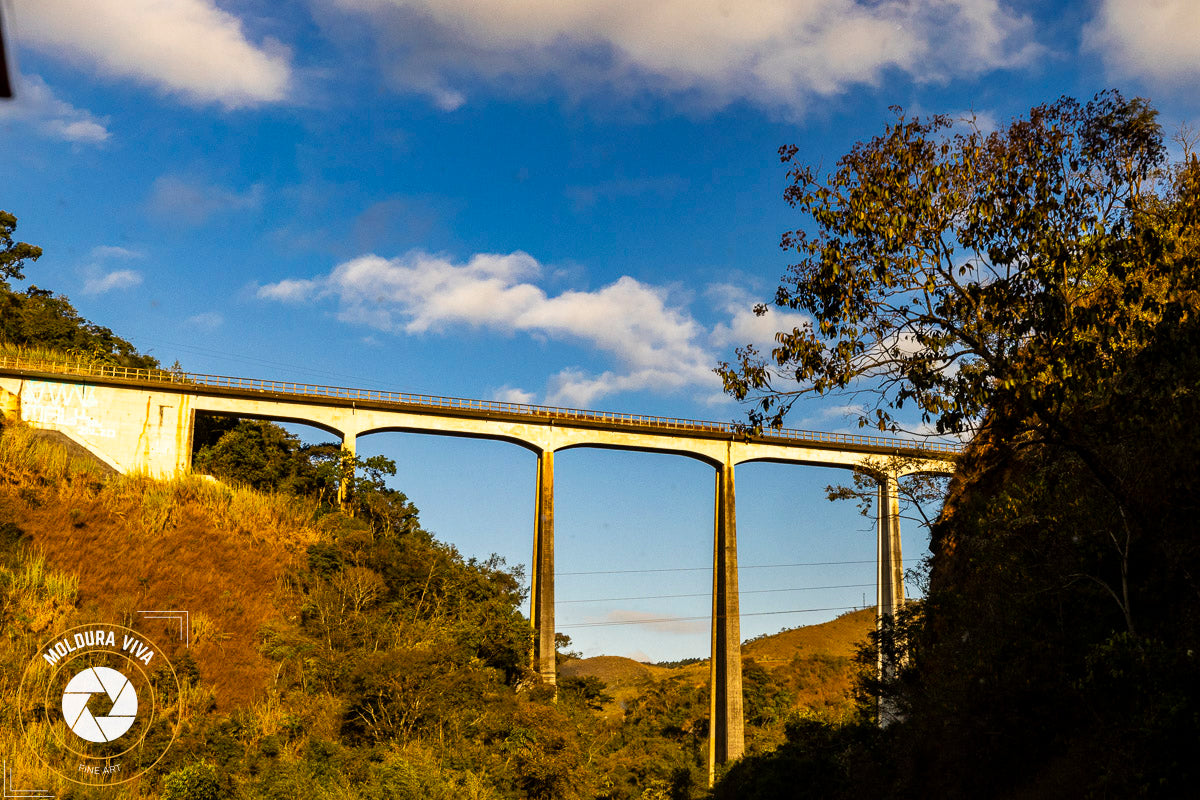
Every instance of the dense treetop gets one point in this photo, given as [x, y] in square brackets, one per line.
[959, 270]
[42, 319]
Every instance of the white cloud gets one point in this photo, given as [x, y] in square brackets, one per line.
[194, 201]
[206, 321]
[746, 327]
[971, 120]
[655, 344]
[778, 53]
[290, 291]
[107, 251]
[98, 278]
[511, 394]
[1155, 39]
[36, 104]
[99, 283]
[188, 47]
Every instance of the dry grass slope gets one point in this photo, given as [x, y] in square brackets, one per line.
[134, 544]
[838, 637]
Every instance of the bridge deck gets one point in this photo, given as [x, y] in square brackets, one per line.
[492, 409]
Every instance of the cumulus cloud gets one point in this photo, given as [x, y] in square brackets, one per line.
[654, 343]
[193, 201]
[100, 277]
[291, 290]
[511, 394]
[1154, 39]
[106, 251]
[746, 327]
[36, 104]
[206, 321]
[187, 47]
[107, 281]
[774, 52]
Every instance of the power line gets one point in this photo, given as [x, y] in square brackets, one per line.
[662, 620]
[709, 594]
[709, 569]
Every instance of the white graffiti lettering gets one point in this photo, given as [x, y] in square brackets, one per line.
[66, 406]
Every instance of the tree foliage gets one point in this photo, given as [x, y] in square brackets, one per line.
[1037, 285]
[267, 457]
[962, 271]
[13, 255]
[39, 318]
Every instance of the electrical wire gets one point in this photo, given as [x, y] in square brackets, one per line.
[709, 569]
[664, 620]
[709, 594]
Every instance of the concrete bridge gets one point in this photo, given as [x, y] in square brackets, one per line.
[140, 420]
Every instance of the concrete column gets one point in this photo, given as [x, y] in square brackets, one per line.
[890, 583]
[889, 586]
[726, 739]
[348, 452]
[541, 602]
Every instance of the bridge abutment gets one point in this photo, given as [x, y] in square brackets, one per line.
[146, 431]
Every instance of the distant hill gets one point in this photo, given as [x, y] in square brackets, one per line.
[838, 637]
[813, 662]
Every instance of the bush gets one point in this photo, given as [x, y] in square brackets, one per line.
[193, 782]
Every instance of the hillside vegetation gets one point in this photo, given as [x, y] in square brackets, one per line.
[353, 656]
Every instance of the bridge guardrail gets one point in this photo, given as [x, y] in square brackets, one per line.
[142, 374]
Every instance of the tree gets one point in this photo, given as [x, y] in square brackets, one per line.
[965, 272]
[13, 255]
[1037, 286]
[256, 453]
[40, 318]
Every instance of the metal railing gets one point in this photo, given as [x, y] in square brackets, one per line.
[435, 402]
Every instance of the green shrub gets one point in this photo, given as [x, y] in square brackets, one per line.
[193, 782]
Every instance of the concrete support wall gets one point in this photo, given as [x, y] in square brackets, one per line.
[542, 582]
[143, 431]
[726, 736]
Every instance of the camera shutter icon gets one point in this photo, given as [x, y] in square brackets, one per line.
[99, 680]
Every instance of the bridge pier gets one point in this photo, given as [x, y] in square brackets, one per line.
[726, 734]
[889, 582]
[349, 445]
[541, 601]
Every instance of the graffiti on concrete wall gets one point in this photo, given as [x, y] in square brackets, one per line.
[65, 406]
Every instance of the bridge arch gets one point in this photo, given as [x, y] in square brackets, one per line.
[521, 442]
[291, 419]
[683, 452]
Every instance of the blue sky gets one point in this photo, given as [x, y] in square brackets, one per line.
[574, 203]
